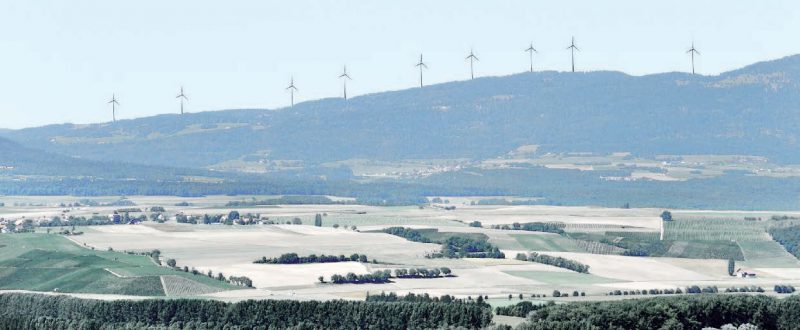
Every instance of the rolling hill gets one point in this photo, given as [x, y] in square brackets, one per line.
[751, 111]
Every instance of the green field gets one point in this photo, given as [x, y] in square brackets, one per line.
[562, 278]
[715, 230]
[767, 254]
[49, 262]
[547, 242]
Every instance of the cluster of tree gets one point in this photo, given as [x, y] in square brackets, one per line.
[554, 261]
[789, 237]
[410, 234]
[289, 200]
[784, 217]
[548, 227]
[156, 255]
[241, 281]
[318, 220]
[744, 326]
[293, 258]
[675, 312]
[32, 311]
[95, 220]
[422, 272]
[745, 289]
[467, 247]
[378, 276]
[520, 309]
[476, 224]
[784, 289]
[575, 293]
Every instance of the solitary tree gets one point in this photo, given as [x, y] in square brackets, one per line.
[731, 266]
[172, 263]
[666, 215]
[318, 220]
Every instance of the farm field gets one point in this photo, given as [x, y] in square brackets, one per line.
[49, 262]
[693, 252]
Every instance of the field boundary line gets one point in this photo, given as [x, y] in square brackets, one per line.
[115, 274]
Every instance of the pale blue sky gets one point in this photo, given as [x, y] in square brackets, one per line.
[60, 61]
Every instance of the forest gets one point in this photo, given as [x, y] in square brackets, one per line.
[684, 312]
[32, 311]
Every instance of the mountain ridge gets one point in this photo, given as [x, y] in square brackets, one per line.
[751, 110]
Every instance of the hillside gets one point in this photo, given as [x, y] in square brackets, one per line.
[751, 111]
[18, 160]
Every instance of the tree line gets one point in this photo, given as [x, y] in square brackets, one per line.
[385, 276]
[293, 258]
[554, 261]
[33, 311]
[547, 227]
[426, 298]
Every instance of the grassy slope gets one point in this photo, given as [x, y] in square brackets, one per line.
[43, 262]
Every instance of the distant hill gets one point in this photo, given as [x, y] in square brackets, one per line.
[753, 111]
[17, 160]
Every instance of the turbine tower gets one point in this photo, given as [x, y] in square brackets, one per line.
[344, 76]
[573, 48]
[182, 97]
[291, 89]
[114, 105]
[472, 58]
[421, 65]
[531, 50]
[693, 51]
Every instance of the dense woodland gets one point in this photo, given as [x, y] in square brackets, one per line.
[30, 311]
[683, 312]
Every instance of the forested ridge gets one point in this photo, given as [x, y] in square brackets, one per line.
[32, 311]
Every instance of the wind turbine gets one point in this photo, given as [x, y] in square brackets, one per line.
[693, 51]
[182, 97]
[344, 76]
[421, 65]
[292, 89]
[114, 105]
[472, 58]
[531, 50]
[573, 48]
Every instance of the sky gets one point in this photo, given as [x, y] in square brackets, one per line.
[60, 61]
